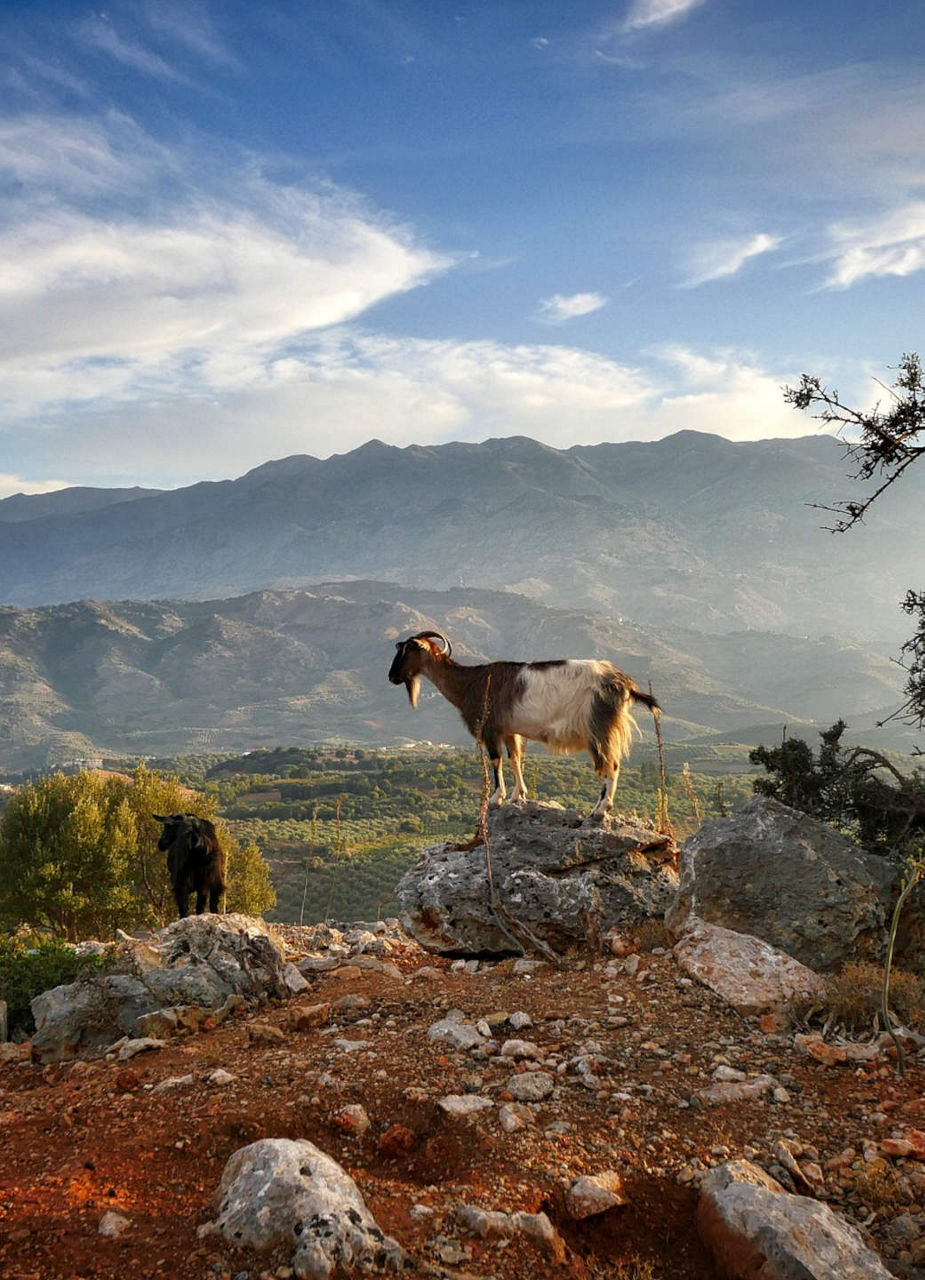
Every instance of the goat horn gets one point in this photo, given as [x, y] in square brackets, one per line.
[437, 635]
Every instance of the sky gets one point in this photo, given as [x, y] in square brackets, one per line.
[234, 231]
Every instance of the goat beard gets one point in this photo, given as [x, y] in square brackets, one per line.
[413, 685]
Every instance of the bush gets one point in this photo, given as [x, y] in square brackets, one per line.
[79, 856]
[29, 966]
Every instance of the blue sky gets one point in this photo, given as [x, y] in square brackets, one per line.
[235, 231]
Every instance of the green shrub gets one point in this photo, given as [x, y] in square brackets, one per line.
[29, 966]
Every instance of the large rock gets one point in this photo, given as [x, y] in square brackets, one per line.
[757, 1231]
[747, 973]
[565, 880]
[779, 875]
[283, 1192]
[197, 963]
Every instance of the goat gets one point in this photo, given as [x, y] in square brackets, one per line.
[568, 704]
[194, 860]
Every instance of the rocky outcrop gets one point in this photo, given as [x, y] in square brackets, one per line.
[755, 1229]
[567, 881]
[195, 967]
[781, 876]
[281, 1192]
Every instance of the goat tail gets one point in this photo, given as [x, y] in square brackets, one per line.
[647, 700]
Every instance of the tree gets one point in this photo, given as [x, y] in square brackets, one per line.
[78, 855]
[858, 790]
[882, 444]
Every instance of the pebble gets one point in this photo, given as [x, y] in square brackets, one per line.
[113, 1224]
[464, 1104]
[531, 1087]
[594, 1193]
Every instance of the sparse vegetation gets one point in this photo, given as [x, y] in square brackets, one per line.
[852, 1002]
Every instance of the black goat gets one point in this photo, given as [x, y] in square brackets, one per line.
[194, 860]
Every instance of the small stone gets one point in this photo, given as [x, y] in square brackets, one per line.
[171, 1083]
[531, 1087]
[396, 1141]
[352, 1120]
[594, 1194]
[459, 1035]
[305, 1016]
[464, 1104]
[113, 1224]
[265, 1033]
[520, 1049]
[220, 1078]
[131, 1048]
[514, 1116]
[519, 1020]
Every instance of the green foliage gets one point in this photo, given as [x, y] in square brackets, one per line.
[78, 855]
[814, 785]
[859, 791]
[29, 966]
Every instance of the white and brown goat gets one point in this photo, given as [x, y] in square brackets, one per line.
[567, 704]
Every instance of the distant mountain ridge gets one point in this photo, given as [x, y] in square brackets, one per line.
[692, 531]
[295, 666]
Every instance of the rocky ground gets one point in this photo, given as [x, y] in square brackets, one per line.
[439, 1085]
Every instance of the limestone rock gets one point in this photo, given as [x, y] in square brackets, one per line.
[280, 1192]
[747, 973]
[594, 1193]
[532, 1086]
[781, 876]
[755, 1229]
[194, 968]
[568, 882]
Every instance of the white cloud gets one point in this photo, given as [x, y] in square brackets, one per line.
[652, 13]
[337, 389]
[718, 259]
[10, 484]
[726, 393]
[891, 245]
[559, 308]
[117, 304]
[71, 158]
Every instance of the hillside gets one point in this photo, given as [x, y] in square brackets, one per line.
[298, 666]
[350, 1067]
[689, 531]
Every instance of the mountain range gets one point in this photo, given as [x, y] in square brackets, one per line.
[691, 531]
[296, 666]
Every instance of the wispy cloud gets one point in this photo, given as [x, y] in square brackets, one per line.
[99, 32]
[656, 13]
[188, 24]
[718, 259]
[560, 308]
[891, 245]
[109, 303]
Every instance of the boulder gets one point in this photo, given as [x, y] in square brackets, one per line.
[757, 1231]
[211, 963]
[778, 874]
[282, 1192]
[567, 881]
[747, 973]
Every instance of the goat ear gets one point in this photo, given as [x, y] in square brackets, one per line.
[157, 817]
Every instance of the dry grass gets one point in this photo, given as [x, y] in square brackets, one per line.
[852, 999]
[879, 1186]
[652, 933]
